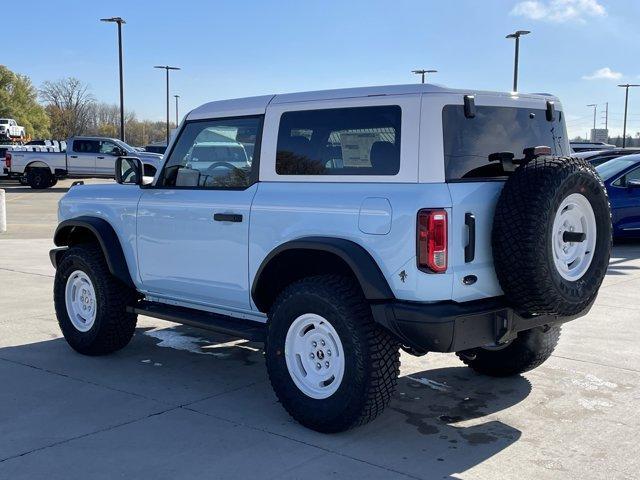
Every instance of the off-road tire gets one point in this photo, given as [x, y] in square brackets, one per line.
[39, 178]
[528, 351]
[114, 326]
[54, 181]
[522, 236]
[372, 356]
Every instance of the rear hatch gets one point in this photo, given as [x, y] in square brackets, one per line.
[500, 124]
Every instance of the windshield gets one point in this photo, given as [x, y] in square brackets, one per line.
[610, 169]
[468, 142]
[4, 122]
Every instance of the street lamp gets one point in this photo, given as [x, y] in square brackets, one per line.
[167, 68]
[595, 109]
[177, 97]
[517, 34]
[119, 21]
[423, 73]
[626, 86]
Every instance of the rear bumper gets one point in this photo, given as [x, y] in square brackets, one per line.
[454, 327]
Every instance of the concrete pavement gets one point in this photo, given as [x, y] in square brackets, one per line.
[179, 402]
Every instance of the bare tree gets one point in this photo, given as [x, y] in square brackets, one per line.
[69, 105]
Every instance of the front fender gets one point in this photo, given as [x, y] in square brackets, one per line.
[70, 231]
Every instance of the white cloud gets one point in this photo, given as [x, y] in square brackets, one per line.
[603, 74]
[559, 11]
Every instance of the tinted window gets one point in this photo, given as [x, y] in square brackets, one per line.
[342, 141]
[86, 146]
[468, 142]
[624, 180]
[214, 154]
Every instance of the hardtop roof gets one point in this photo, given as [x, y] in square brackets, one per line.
[249, 105]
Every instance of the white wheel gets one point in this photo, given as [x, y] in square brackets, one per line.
[80, 298]
[574, 237]
[314, 356]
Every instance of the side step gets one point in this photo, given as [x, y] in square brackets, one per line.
[237, 327]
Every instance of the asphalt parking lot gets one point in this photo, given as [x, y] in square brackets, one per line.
[184, 403]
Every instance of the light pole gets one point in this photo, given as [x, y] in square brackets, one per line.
[119, 21]
[517, 34]
[595, 110]
[177, 97]
[423, 73]
[167, 68]
[626, 86]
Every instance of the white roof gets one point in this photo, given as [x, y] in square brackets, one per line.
[255, 105]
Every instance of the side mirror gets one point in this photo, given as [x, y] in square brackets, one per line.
[635, 183]
[129, 171]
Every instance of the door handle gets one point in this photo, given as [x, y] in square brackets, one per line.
[227, 217]
[470, 248]
[73, 156]
[100, 158]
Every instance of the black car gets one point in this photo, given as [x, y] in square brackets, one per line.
[598, 157]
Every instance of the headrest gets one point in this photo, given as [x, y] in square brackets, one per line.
[297, 144]
[383, 157]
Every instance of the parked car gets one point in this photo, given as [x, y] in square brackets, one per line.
[10, 130]
[86, 157]
[621, 177]
[597, 157]
[366, 220]
[587, 146]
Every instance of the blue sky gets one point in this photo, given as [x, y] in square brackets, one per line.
[233, 49]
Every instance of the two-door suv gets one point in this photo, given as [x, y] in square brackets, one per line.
[340, 226]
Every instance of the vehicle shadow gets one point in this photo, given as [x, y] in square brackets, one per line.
[11, 186]
[624, 251]
[441, 421]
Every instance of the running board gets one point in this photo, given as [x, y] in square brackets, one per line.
[237, 327]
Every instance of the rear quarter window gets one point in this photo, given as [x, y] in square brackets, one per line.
[468, 142]
[340, 141]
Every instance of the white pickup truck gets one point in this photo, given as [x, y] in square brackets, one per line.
[84, 157]
[10, 130]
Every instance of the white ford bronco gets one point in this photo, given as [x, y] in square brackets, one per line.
[338, 227]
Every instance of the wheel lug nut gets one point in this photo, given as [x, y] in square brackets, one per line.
[326, 364]
[315, 344]
[311, 355]
[322, 342]
[318, 366]
[329, 352]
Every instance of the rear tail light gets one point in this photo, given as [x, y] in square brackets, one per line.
[432, 240]
[7, 159]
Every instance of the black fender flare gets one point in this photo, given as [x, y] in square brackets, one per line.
[365, 269]
[106, 237]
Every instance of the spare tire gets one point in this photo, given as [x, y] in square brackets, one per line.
[551, 236]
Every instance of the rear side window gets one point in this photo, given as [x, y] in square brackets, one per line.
[340, 141]
[468, 142]
[86, 146]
